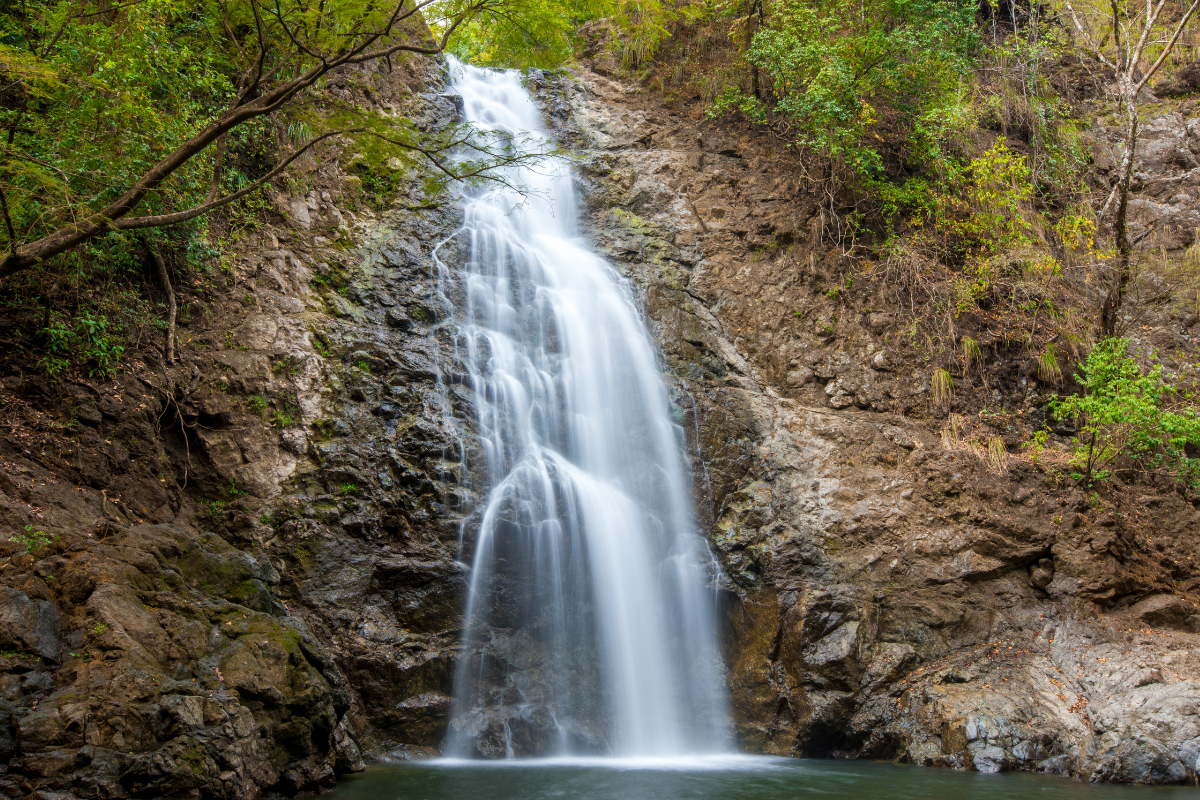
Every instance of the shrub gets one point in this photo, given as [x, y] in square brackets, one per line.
[87, 339]
[1128, 417]
[841, 73]
[31, 541]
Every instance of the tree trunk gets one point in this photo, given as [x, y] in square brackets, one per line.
[165, 279]
[1111, 310]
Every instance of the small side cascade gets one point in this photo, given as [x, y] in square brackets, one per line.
[590, 618]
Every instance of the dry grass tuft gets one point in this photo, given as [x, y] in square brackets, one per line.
[971, 353]
[942, 386]
[991, 451]
[1048, 369]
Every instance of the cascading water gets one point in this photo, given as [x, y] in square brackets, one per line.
[590, 624]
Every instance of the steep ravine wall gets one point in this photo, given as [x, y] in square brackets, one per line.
[252, 577]
[240, 601]
[887, 597]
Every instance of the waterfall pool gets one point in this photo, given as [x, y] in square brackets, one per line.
[717, 778]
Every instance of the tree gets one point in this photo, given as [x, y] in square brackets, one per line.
[1131, 32]
[1130, 417]
[841, 73]
[120, 116]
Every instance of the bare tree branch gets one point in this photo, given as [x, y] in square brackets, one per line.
[1095, 50]
[1187, 15]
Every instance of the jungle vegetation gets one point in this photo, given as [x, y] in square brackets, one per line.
[942, 137]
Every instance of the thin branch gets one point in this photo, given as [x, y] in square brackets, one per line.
[1151, 19]
[109, 10]
[9, 153]
[160, 220]
[438, 46]
[251, 79]
[295, 42]
[1096, 51]
[229, 30]
[1111, 196]
[1116, 28]
[1169, 46]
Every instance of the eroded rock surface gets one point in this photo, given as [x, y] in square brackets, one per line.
[233, 575]
[253, 581]
[887, 597]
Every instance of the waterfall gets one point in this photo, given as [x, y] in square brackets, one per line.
[590, 618]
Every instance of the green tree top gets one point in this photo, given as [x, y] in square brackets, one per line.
[119, 116]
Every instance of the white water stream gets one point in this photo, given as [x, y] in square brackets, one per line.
[590, 602]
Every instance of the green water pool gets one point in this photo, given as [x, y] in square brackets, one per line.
[717, 777]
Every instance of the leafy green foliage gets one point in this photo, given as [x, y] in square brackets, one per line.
[31, 541]
[837, 67]
[543, 35]
[546, 33]
[938, 142]
[974, 210]
[97, 98]
[84, 341]
[1129, 418]
[136, 115]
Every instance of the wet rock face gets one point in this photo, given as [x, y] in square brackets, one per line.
[886, 597]
[368, 530]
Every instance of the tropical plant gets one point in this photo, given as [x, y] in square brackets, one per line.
[1128, 417]
[85, 339]
[31, 541]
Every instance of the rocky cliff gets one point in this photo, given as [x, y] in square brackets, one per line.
[252, 579]
[228, 575]
[890, 594]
